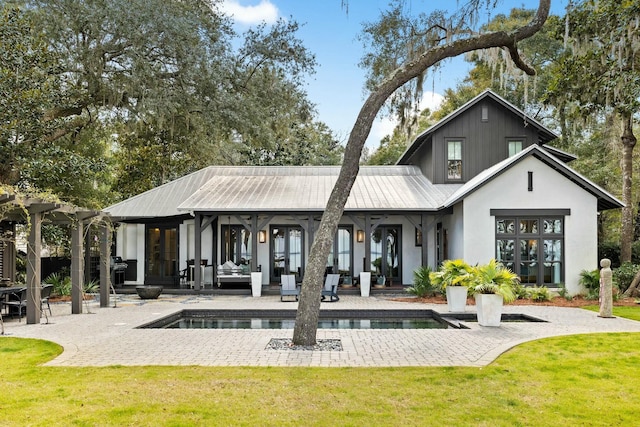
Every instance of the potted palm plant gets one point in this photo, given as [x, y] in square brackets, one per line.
[494, 284]
[453, 278]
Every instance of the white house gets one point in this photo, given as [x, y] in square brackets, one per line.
[482, 183]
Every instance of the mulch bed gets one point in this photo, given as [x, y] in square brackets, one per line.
[557, 301]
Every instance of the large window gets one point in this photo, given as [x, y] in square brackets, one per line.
[454, 160]
[533, 247]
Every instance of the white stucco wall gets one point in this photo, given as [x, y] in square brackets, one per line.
[551, 190]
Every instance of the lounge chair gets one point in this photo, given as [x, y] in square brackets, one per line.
[288, 286]
[331, 288]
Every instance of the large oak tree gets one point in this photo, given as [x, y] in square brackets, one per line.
[434, 44]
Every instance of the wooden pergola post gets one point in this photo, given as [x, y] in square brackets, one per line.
[34, 247]
[105, 264]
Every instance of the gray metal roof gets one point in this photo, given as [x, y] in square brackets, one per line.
[307, 188]
[161, 201]
[284, 189]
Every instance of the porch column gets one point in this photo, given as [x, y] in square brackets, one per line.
[254, 242]
[197, 276]
[77, 267]
[34, 248]
[423, 230]
[105, 264]
[367, 243]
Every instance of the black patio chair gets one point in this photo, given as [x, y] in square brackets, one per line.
[16, 301]
[45, 293]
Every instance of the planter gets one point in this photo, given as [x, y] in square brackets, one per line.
[489, 307]
[456, 298]
[149, 292]
[365, 283]
[256, 284]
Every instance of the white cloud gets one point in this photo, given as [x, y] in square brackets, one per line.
[431, 100]
[265, 11]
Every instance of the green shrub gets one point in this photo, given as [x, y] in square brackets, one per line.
[623, 275]
[539, 294]
[521, 291]
[563, 292]
[422, 286]
[91, 287]
[61, 284]
[590, 280]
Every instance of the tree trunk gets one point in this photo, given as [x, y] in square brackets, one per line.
[633, 286]
[306, 326]
[628, 142]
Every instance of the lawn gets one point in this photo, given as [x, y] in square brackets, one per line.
[573, 380]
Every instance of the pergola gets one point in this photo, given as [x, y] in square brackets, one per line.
[16, 208]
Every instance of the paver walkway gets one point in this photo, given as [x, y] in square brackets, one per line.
[108, 336]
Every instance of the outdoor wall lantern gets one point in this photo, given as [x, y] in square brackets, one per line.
[360, 236]
[262, 236]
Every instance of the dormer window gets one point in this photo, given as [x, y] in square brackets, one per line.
[454, 160]
[514, 146]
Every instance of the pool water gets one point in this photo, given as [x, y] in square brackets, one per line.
[260, 323]
[285, 319]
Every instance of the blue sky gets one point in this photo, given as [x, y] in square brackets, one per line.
[330, 33]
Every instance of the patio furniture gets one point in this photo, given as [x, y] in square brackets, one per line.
[288, 286]
[331, 288]
[17, 300]
[45, 293]
[231, 273]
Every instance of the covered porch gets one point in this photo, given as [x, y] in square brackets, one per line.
[264, 219]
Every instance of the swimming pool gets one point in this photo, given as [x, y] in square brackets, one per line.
[285, 319]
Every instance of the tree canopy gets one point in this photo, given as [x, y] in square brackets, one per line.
[140, 92]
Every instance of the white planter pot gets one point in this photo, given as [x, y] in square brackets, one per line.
[256, 284]
[489, 308]
[365, 283]
[456, 298]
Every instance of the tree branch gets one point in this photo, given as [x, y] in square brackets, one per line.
[517, 59]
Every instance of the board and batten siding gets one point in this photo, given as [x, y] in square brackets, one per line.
[483, 143]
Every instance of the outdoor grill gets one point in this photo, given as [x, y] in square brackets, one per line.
[118, 268]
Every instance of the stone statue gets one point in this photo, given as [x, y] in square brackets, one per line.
[606, 289]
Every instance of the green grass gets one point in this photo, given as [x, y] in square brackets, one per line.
[630, 312]
[574, 380]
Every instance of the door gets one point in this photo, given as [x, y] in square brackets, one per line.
[341, 257]
[287, 252]
[162, 255]
[385, 252]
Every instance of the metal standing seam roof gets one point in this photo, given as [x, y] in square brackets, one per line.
[161, 201]
[307, 188]
[284, 189]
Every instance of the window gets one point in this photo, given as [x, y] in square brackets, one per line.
[454, 160]
[514, 147]
[236, 244]
[533, 247]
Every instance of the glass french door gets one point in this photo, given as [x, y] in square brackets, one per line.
[162, 255]
[385, 252]
[341, 257]
[287, 252]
